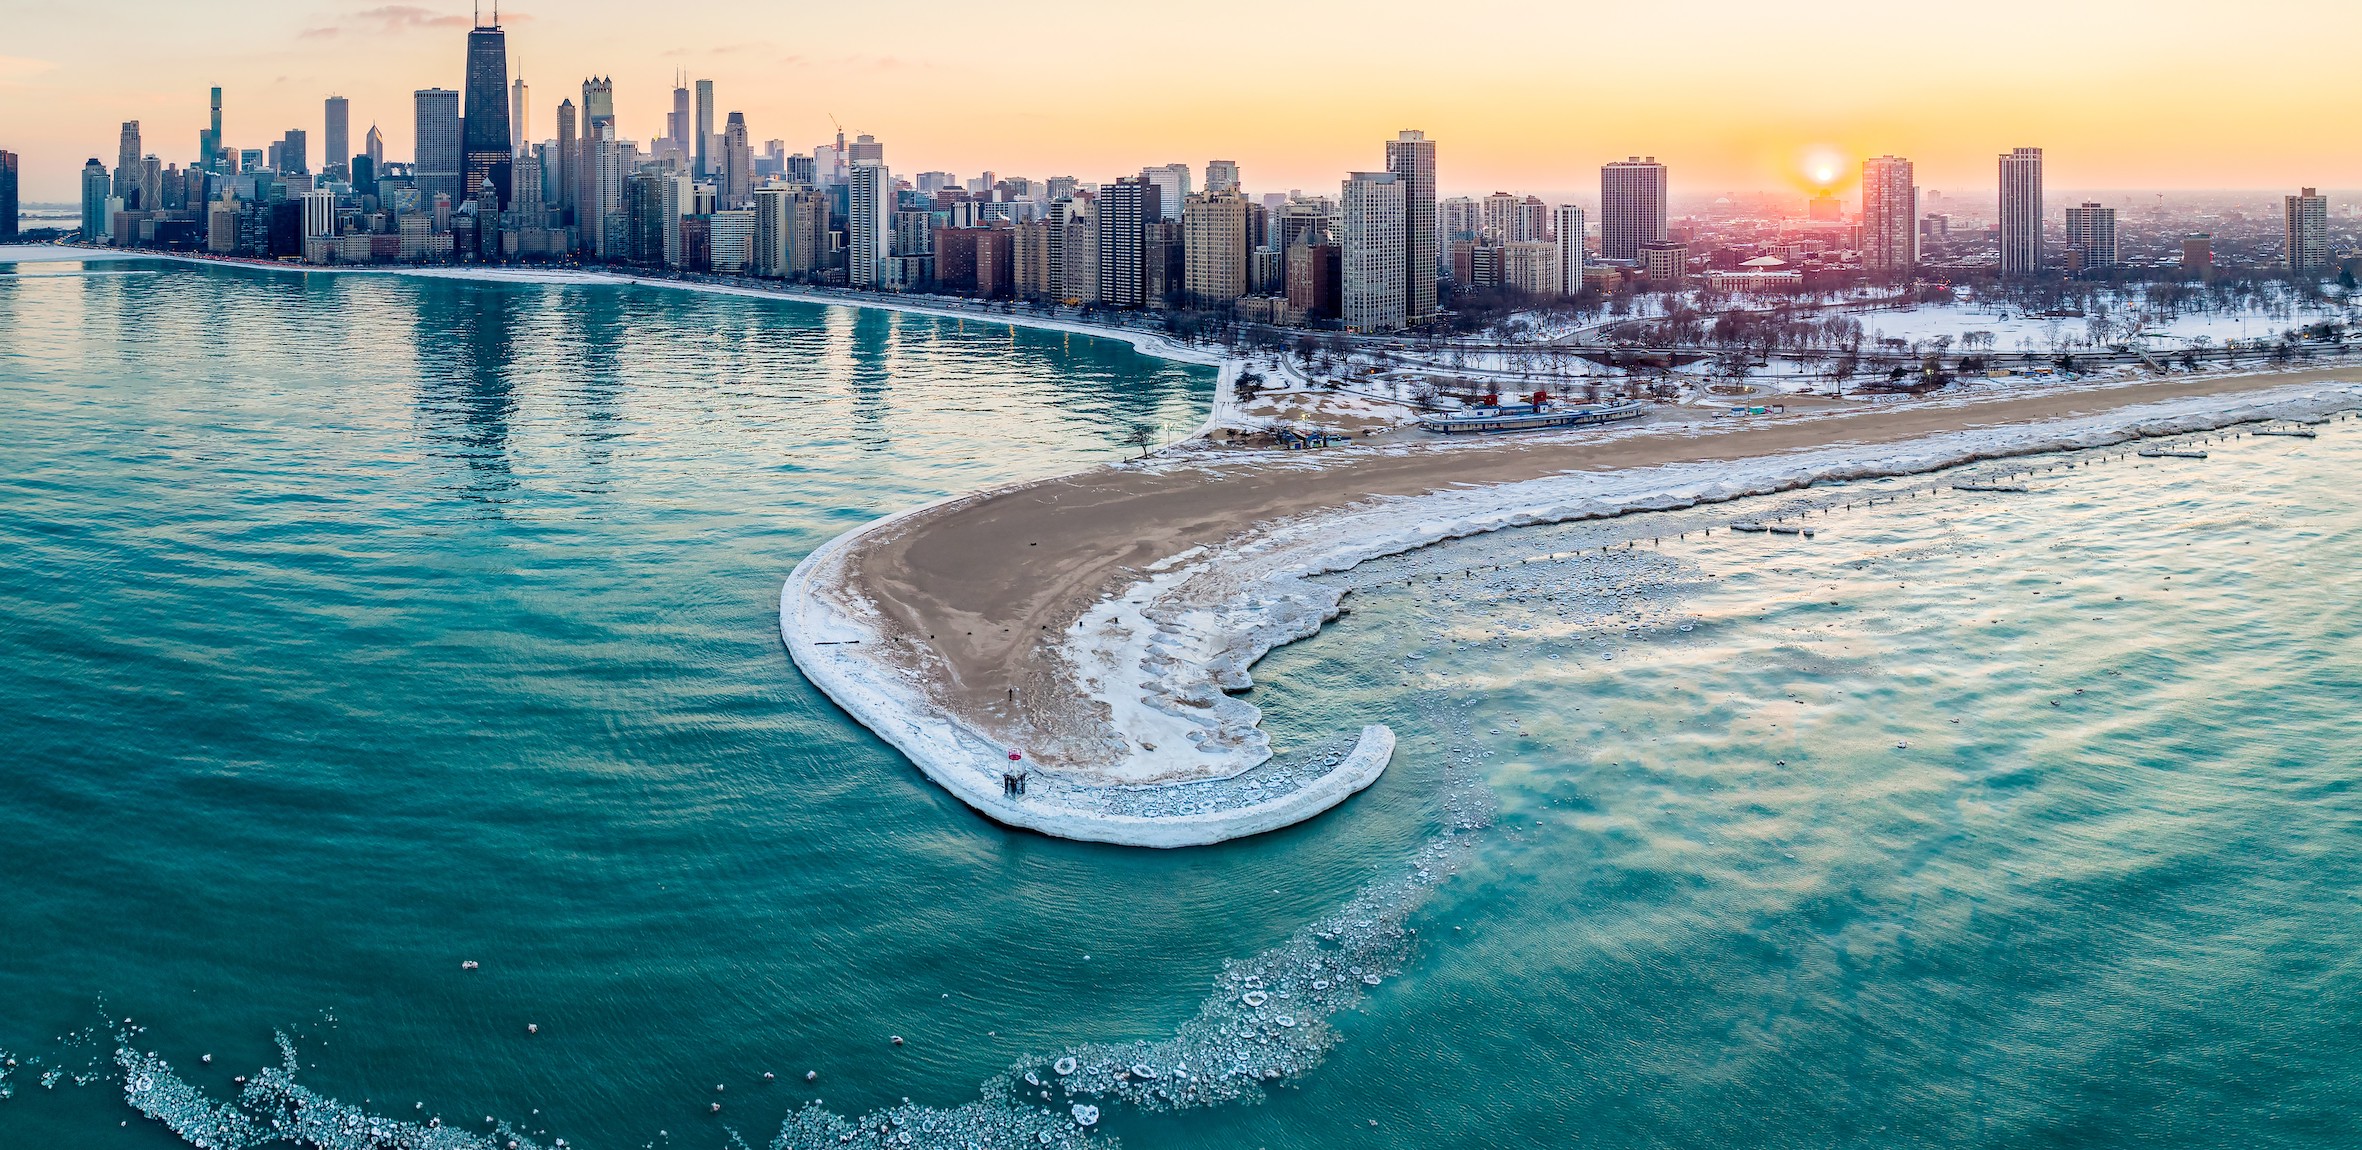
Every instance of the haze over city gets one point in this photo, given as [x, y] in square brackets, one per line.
[1733, 96]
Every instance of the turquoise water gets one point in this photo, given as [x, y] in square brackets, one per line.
[355, 627]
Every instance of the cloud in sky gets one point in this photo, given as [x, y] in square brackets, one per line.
[404, 17]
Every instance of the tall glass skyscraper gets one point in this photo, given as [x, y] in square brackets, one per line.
[438, 160]
[488, 147]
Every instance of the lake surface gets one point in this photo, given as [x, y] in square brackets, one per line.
[355, 627]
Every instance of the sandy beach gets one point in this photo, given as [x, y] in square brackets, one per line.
[1096, 622]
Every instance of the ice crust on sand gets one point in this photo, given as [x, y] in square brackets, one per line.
[1165, 654]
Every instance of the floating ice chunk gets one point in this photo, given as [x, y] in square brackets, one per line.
[1085, 1115]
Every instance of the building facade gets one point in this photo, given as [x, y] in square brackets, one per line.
[1374, 284]
[1631, 207]
[1890, 219]
[2091, 237]
[488, 149]
[336, 141]
[2306, 232]
[1215, 242]
[1125, 209]
[1566, 231]
[2021, 212]
[436, 169]
[1410, 156]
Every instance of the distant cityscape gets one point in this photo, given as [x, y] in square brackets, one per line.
[1383, 253]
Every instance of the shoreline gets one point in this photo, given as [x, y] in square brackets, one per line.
[1146, 343]
[1178, 629]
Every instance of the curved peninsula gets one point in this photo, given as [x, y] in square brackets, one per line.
[1097, 625]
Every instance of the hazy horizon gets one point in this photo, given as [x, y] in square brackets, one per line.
[1759, 99]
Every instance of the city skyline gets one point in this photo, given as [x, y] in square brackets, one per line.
[2129, 121]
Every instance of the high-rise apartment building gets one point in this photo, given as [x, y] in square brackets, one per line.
[2091, 237]
[8, 204]
[1125, 209]
[1410, 157]
[1172, 188]
[1221, 176]
[1631, 207]
[436, 168]
[2306, 232]
[1374, 252]
[2021, 212]
[1214, 245]
[705, 128]
[865, 149]
[1566, 231]
[1890, 218]
[869, 211]
[1531, 266]
[336, 142]
[490, 150]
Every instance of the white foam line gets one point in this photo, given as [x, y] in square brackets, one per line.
[1176, 643]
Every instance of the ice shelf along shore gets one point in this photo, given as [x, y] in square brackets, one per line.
[1159, 661]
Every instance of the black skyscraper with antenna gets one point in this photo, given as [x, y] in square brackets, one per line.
[485, 130]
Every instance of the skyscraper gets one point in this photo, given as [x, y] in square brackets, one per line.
[676, 122]
[869, 208]
[598, 117]
[2091, 236]
[1214, 244]
[1890, 218]
[705, 126]
[94, 202]
[436, 167]
[2306, 232]
[569, 159]
[1566, 230]
[8, 178]
[520, 116]
[1221, 176]
[127, 155]
[1411, 157]
[490, 150]
[336, 143]
[1172, 187]
[209, 140]
[737, 177]
[1374, 252]
[1631, 207]
[295, 154]
[2021, 212]
[373, 146]
[1126, 208]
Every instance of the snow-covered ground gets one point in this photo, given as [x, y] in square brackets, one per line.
[2014, 331]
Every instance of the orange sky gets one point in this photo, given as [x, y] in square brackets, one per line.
[1528, 97]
